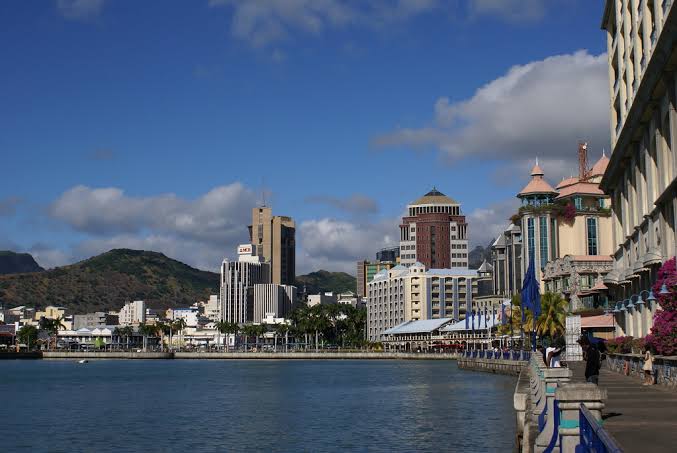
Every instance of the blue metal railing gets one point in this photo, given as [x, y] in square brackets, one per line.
[593, 437]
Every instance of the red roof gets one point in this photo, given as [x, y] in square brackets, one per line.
[580, 188]
[590, 322]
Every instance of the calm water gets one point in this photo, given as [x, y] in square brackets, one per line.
[289, 406]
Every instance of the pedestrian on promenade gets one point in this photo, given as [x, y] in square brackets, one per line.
[648, 366]
[592, 359]
[554, 353]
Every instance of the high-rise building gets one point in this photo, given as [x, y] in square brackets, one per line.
[275, 240]
[641, 174]
[133, 313]
[411, 294]
[270, 298]
[389, 254]
[640, 177]
[506, 258]
[366, 271]
[237, 284]
[434, 233]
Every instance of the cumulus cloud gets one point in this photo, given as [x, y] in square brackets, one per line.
[484, 224]
[337, 244]
[80, 9]
[216, 217]
[540, 109]
[512, 10]
[354, 204]
[261, 22]
[8, 205]
[50, 257]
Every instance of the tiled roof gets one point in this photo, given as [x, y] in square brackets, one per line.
[434, 197]
[600, 167]
[582, 188]
[589, 322]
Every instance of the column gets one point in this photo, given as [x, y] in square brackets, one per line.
[553, 377]
[570, 397]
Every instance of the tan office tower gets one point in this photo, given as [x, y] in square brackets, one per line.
[274, 237]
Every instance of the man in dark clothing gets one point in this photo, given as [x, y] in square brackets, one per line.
[593, 360]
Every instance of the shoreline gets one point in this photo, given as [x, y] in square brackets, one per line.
[62, 355]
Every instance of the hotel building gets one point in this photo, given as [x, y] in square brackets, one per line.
[640, 178]
[272, 299]
[410, 294]
[434, 233]
[366, 270]
[133, 313]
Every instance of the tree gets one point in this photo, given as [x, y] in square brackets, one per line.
[28, 335]
[179, 325]
[222, 327]
[282, 330]
[52, 327]
[146, 330]
[552, 320]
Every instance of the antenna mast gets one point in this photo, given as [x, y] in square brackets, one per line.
[583, 170]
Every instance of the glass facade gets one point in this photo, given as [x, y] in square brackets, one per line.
[530, 238]
[592, 235]
[543, 230]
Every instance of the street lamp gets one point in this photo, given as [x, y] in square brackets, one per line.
[664, 290]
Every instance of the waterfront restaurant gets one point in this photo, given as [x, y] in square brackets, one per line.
[443, 334]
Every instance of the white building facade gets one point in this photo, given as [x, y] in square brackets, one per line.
[133, 313]
[273, 299]
[237, 285]
[411, 294]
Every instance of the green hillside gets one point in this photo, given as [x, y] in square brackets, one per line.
[17, 263]
[324, 281]
[107, 281]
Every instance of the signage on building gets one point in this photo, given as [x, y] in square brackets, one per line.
[245, 249]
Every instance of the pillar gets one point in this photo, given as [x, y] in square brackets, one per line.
[553, 377]
[570, 398]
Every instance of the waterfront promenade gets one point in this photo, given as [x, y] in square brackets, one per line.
[640, 418]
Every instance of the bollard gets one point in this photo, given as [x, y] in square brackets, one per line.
[570, 397]
[553, 378]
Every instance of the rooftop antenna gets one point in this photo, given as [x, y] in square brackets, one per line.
[583, 170]
[603, 152]
[263, 191]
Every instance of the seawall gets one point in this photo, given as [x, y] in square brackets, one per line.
[247, 355]
[509, 367]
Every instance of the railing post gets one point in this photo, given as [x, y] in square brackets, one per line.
[570, 397]
[553, 378]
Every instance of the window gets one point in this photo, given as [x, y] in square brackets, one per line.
[531, 239]
[578, 202]
[592, 235]
[600, 202]
[543, 229]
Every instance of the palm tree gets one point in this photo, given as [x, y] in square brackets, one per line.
[552, 321]
[52, 326]
[162, 329]
[247, 331]
[146, 330]
[28, 335]
[282, 330]
[127, 332]
[222, 327]
[259, 331]
[179, 325]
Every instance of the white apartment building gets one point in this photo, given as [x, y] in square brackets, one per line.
[237, 284]
[410, 294]
[190, 315]
[322, 299]
[133, 313]
[212, 308]
[273, 300]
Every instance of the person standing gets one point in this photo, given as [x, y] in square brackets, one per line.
[648, 366]
[593, 360]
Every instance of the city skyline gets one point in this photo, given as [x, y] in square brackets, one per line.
[166, 130]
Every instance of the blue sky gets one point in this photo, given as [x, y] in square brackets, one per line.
[157, 125]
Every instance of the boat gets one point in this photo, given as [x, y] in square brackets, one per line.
[83, 361]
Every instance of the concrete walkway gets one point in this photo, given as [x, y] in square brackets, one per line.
[642, 419]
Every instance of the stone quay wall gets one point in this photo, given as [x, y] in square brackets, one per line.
[664, 367]
[509, 367]
[247, 355]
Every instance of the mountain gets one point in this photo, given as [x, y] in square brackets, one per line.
[324, 281]
[105, 282]
[479, 254]
[17, 263]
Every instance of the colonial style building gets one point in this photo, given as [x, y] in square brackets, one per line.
[641, 37]
[403, 294]
[434, 233]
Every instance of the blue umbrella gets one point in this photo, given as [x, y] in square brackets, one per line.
[531, 297]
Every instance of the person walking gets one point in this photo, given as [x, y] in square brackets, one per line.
[648, 367]
[593, 360]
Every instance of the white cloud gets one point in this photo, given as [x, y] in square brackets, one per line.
[512, 10]
[80, 9]
[219, 216]
[261, 22]
[540, 109]
[484, 224]
[49, 257]
[337, 244]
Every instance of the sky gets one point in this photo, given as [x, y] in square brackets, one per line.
[159, 125]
